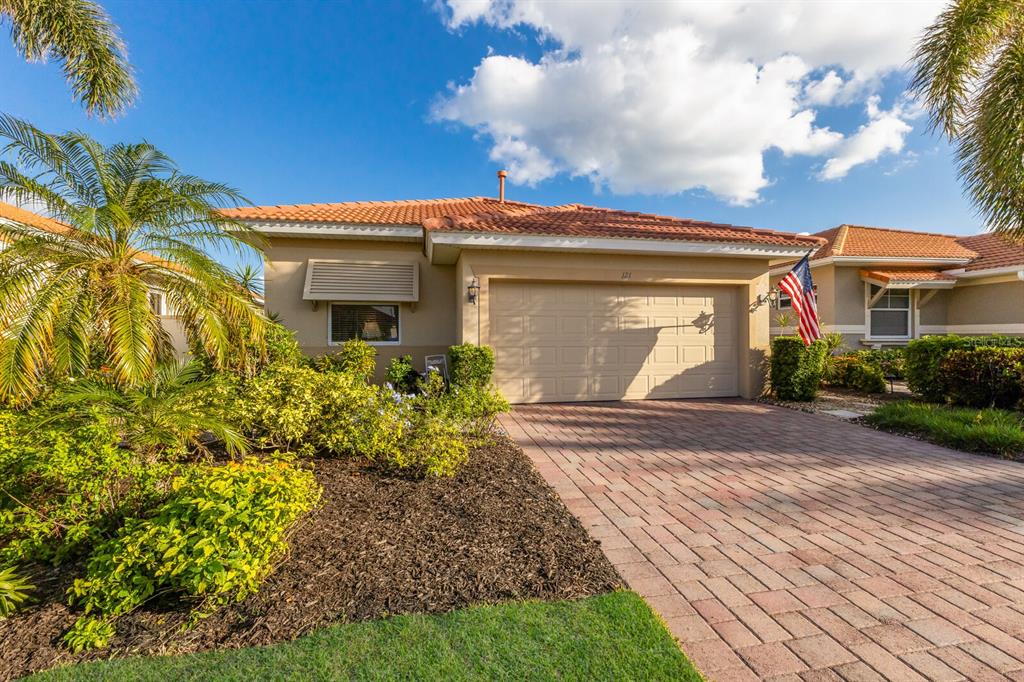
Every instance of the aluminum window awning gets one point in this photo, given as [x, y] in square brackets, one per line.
[361, 281]
[908, 279]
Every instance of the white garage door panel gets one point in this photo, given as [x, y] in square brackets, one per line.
[564, 342]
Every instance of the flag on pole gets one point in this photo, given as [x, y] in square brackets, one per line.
[800, 287]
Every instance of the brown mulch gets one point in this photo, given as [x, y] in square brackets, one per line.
[377, 546]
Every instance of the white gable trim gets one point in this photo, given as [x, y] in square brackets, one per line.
[478, 240]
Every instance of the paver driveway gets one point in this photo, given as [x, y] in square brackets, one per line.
[779, 543]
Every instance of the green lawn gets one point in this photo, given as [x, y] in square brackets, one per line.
[610, 637]
[990, 430]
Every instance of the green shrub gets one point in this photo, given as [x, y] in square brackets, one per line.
[298, 408]
[473, 408]
[435, 446]
[178, 410]
[62, 490]
[281, 405]
[984, 377]
[355, 357]
[990, 430]
[215, 539]
[924, 360]
[892, 361]
[402, 376]
[852, 371]
[14, 591]
[471, 365]
[795, 369]
[358, 419]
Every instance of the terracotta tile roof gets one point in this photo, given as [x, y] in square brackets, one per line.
[883, 242]
[576, 220]
[40, 222]
[483, 214]
[412, 212]
[20, 215]
[994, 251]
[907, 275]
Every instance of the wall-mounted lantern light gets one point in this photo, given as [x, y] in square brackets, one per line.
[473, 291]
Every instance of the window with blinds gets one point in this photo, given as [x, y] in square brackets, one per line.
[369, 322]
[890, 314]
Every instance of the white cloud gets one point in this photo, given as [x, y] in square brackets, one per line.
[883, 133]
[665, 97]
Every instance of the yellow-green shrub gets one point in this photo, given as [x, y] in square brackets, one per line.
[216, 538]
[435, 446]
[355, 357]
[298, 408]
[63, 490]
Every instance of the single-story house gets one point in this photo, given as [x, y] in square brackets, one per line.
[579, 303]
[880, 286]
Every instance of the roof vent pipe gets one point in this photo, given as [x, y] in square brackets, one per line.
[501, 185]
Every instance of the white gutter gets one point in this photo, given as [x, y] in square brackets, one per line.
[963, 273]
[878, 260]
[338, 230]
[477, 240]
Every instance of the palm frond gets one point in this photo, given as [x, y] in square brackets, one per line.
[82, 37]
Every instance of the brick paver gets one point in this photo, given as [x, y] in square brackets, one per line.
[776, 543]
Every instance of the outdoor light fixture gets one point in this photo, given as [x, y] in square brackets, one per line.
[473, 290]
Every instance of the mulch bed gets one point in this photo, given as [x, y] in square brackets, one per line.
[377, 546]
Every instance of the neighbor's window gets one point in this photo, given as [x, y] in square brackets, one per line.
[890, 314]
[369, 322]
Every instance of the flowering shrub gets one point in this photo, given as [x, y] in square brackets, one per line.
[216, 538]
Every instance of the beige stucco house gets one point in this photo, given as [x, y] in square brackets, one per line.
[882, 287]
[579, 303]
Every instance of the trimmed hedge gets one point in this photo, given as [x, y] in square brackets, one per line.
[984, 377]
[471, 365]
[925, 376]
[796, 369]
[892, 361]
[853, 371]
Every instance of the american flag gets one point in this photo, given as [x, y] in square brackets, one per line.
[800, 287]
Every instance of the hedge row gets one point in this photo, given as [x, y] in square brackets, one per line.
[932, 379]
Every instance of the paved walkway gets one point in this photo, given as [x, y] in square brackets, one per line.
[779, 544]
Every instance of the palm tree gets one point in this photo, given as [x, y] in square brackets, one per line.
[970, 76]
[133, 224]
[178, 408]
[80, 35]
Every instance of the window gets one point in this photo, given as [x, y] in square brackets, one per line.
[890, 314]
[156, 302]
[370, 322]
[784, 302]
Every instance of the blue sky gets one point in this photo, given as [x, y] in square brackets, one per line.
[317, 102]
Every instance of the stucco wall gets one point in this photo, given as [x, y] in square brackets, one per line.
[989, 304]
[428, 327]
[748, 276]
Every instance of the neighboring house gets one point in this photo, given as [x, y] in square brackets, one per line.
[579, 303]
[879, 286]
[14, 215]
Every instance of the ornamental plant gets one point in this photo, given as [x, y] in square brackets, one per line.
[796, 370]
[63, 490]
[984, 377]
[215, 540]
[471, 365]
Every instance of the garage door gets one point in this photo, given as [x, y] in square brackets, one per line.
[570, 342]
